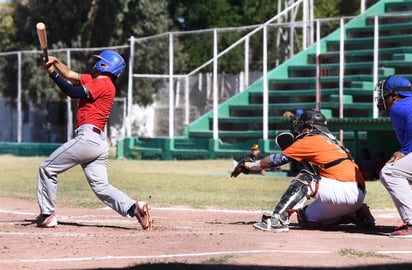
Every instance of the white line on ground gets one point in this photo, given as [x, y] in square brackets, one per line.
[16, 212]
[160, 208]
[229, 211]
[210, 210]
[202, 254]
[64, 234]
[395, 252]
[165, 256]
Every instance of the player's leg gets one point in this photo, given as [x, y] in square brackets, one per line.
[96, 175]
[86, 146]
[59, 161]
[335, 202]
[293, 199]
[394, 178]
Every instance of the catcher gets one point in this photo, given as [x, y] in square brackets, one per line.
[330, 176]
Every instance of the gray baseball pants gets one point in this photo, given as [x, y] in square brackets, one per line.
[397, 178]
[90, 150]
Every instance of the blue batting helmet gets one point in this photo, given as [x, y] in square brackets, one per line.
[110, 62]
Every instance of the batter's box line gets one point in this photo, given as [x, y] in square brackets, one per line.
[187, 255]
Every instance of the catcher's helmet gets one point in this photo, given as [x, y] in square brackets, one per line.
[308, 117]
[393, 84]
[110, 62]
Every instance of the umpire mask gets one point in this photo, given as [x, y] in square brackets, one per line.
[392, 85]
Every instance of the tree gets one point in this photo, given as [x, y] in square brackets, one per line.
[94, 23]
[98, 23]
[198, 14]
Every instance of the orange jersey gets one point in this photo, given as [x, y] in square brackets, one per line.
[320, 150]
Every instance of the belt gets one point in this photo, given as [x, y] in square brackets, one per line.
[96, 130]
[89, 128]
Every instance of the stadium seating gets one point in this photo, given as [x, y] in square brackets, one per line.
[292, 85]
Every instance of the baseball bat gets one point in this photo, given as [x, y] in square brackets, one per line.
[41, 33]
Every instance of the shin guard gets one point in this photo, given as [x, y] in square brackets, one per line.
[295, 196]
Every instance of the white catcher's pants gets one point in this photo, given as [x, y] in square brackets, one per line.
[90, 150]
[334, 199]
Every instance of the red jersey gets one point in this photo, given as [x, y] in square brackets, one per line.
[320, 150]
[96, 110]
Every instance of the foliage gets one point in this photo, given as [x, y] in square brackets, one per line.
[7, 28]
[217, 14]
[98, 23]
[88, 24]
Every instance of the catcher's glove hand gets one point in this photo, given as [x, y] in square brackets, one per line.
[240, 168]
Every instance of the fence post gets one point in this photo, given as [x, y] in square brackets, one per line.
[69, 105]
[215, 86]
[246, 69]
[318, 62]
[375, 64]
[341, 71]
[19, 110]
[170, 141]
[171, 92]
[187, 101]
[265, 92]
[215, 143]
[130, 89]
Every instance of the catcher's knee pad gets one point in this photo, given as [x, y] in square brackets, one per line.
[296, 194]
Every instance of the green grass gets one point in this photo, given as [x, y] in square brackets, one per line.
[196, 183]
[361, 254]
[220, 260]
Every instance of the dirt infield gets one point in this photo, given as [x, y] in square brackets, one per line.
[190, 239]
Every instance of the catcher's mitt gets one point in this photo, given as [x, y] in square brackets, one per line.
[240, 168]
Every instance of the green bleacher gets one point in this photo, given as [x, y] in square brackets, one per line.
[292, 85]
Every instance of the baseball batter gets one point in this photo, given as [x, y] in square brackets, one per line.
[89, 147]
[330, 176]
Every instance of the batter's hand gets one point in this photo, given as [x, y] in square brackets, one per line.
[395, 156]
[48, 66]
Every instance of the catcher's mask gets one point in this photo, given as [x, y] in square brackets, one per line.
[392, 85]
[309, 117]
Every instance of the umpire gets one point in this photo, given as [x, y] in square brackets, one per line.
[395, 97]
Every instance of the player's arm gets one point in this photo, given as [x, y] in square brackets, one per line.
[273, 160]
[69, 89]
[63, 70]
[51, 67]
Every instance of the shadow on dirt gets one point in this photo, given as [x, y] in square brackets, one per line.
[345, 228]
[182, 266]
[377, 230]
[32, 222]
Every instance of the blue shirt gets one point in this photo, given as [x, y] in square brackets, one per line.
[401, 117]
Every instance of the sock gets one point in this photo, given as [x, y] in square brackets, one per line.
[132, 210]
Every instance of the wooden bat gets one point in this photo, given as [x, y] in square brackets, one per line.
[41, 33]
